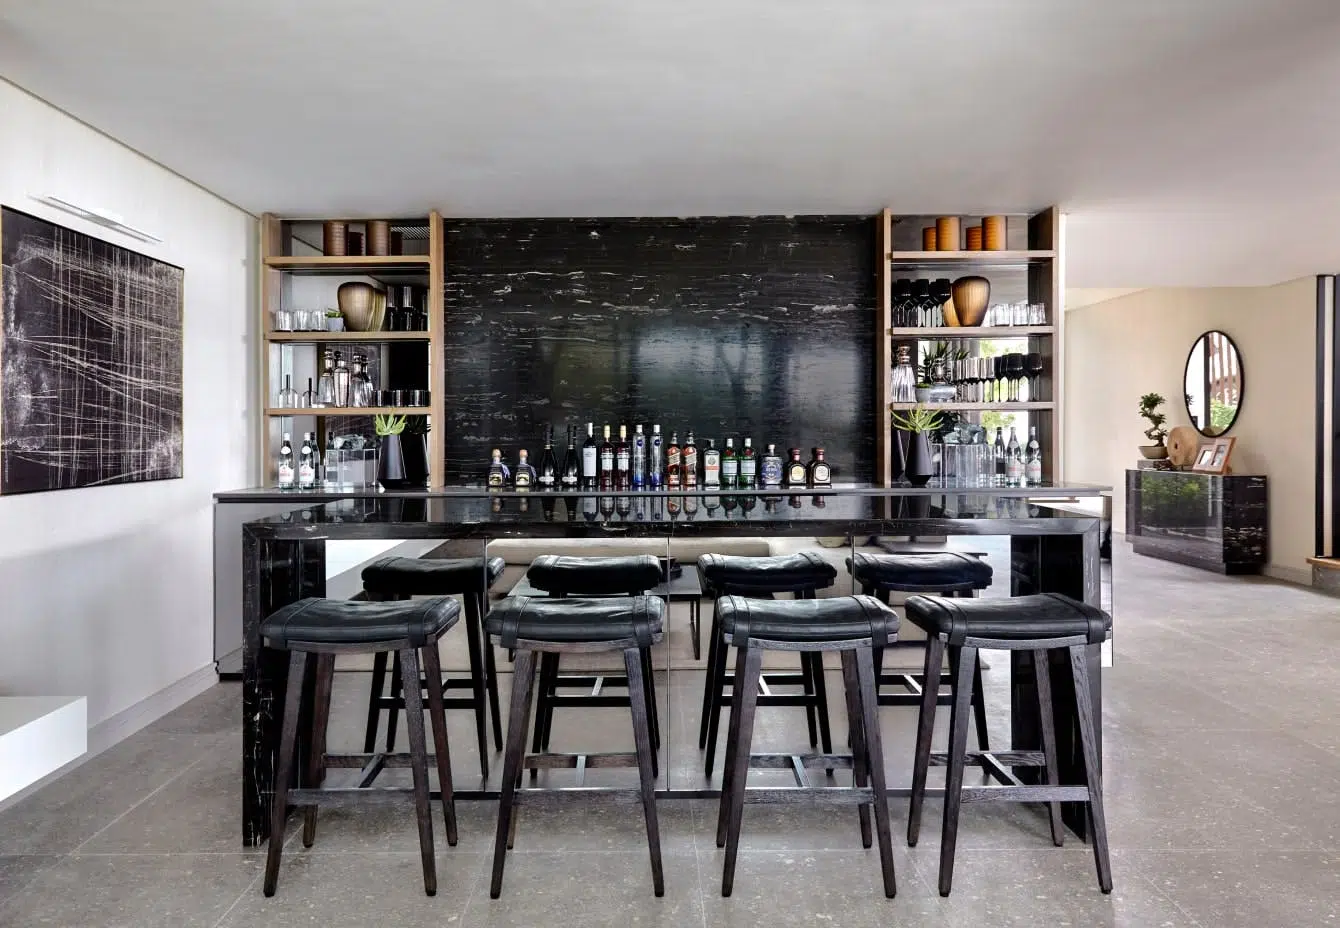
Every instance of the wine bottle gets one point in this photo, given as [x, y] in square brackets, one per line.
[672, 462]
[748, 464]
[998, 452]
[730, 464]
[655, 460]
[606, 461]
[623, 461]
[711, 465]
[1014, 461]
[547, 477]
[287, 472]
[571, 473]
[639, 458]
[1033, 458]
[590, 459]
[307, 462]
[689, 467]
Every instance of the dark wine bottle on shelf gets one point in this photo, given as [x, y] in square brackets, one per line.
[623, 461]
[570, 475]
[547, 477]
[606, 462]
[590, 459]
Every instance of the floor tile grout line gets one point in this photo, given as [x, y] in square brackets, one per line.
[1171, 901]
[152, 793]
[240, 897]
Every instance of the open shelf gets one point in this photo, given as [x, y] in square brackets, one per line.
[328, 411]
[975, 407]
[348, 264]
[983, 259]
[315, 337]
[972, 331]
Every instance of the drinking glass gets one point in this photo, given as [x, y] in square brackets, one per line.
[941, 290]
[921, 302]
[1033, 367]
[1014, 367]
[283, 320]
[1037, 313]
[899, 296]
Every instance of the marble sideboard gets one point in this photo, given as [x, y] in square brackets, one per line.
[1202, 520]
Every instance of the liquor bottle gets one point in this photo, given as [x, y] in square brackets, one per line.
[623, 461]
[524, 478]
[748, 465]
[639, 458]
[342, 381]
[287, 472]
[497, 471]
[770, 471]
[590, 459]
[711, 465]
[748, 502]
[689, 468]
[820, 474]
[1033, 458]
[606, 462]
[623, 505]
[571, 473]
[547, 478]
[690, 506]
[730, 465]
[655, 461]
[307, 462]
[998, 452]
[1014, 461]
[713, 503]
[795, 469]
[673, 465]
[589, 508]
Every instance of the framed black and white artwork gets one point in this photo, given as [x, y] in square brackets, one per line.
[90, 360]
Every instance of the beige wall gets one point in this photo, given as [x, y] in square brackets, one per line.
[1119, 349]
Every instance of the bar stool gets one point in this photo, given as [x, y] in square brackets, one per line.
[947, 573]
[1040, 624]
[586, 577]
[392, 578]
[802, 574]
[850, 625]
[314, 631]
[575, 625]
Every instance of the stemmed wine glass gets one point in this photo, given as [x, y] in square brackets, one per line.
[941, 290]
[1014, 367]
[1033, 367]
[899, 297]
[921, 301]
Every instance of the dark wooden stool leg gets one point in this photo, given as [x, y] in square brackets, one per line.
[865, 673]
[393, 713]
[288, 745]
[695, 620]
[930, 697]
[1093, 774]
[649, 706]
[323, 665]
[958, 749]
[821, 701]
[856, 737]
[807, 687]
[441, 750]
[374, 710]
[746, 701]
[1047, 721]
[523, 688]
[716, 679]
[979, 704]
[540, 740]
[710, 693]
[491, 669]
[478, 683]
[732, 746]
[418, 750]
[633, 660]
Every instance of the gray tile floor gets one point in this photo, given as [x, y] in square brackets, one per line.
[1223, 760]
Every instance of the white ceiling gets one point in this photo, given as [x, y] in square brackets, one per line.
[1192, 142]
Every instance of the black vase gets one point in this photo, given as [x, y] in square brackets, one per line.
[898, 454]
[920, 468]
[391, 464]
[414, 450]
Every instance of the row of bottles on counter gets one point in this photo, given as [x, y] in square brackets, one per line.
[645, 463]
[1017, 465]
[299, 470]
[337, 386]
[653, 508]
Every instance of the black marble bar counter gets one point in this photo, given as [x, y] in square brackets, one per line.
[1054, 547]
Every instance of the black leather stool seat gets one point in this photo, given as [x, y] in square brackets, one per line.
[1019, 618]
[347, 622]
[925, 573]
[426, 576]
[534, 618]
[724, 574]
[844, 618]
[595, 576]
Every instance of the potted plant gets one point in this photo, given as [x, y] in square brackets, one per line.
[1149, 410]
[918, 423]
[923, 392]
[391, 459]
[334, 321]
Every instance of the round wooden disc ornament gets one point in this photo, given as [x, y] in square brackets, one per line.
[1183, 441]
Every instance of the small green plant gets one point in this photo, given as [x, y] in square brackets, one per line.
[1149, 410]
[389, 425]
[333, 314]
[918, 419]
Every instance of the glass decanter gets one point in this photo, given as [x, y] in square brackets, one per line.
[288, 397]
[903, 379]
[342, 377]
[325, 386]
[361, 392]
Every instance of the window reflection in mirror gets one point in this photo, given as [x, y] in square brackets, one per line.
[1214, 383]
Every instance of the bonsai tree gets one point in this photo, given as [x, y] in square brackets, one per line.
[1149, 410]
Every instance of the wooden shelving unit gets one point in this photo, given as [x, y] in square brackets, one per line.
[1032, 268]
[281, 258]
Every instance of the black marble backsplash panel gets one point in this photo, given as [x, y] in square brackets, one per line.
[731, 326]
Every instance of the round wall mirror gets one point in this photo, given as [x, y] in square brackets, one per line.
[1213, 383]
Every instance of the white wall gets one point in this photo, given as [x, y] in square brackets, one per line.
[1119, 349]
[108, 592]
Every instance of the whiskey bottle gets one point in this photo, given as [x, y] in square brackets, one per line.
[590, 459]
[689, 467]
[307, 462]
[623, 461]
[571, 473]
[1033, 458]
[655, 460]
[748, 465]
[820, 474]
[730, 465]
[606, 462]
[547, 477]
[639, 458]
[771, 468]
[795, 469]
[287, 472]
[672, 462]
[524, 478]
[711, 465]
[1014, 461]
[498, 473]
